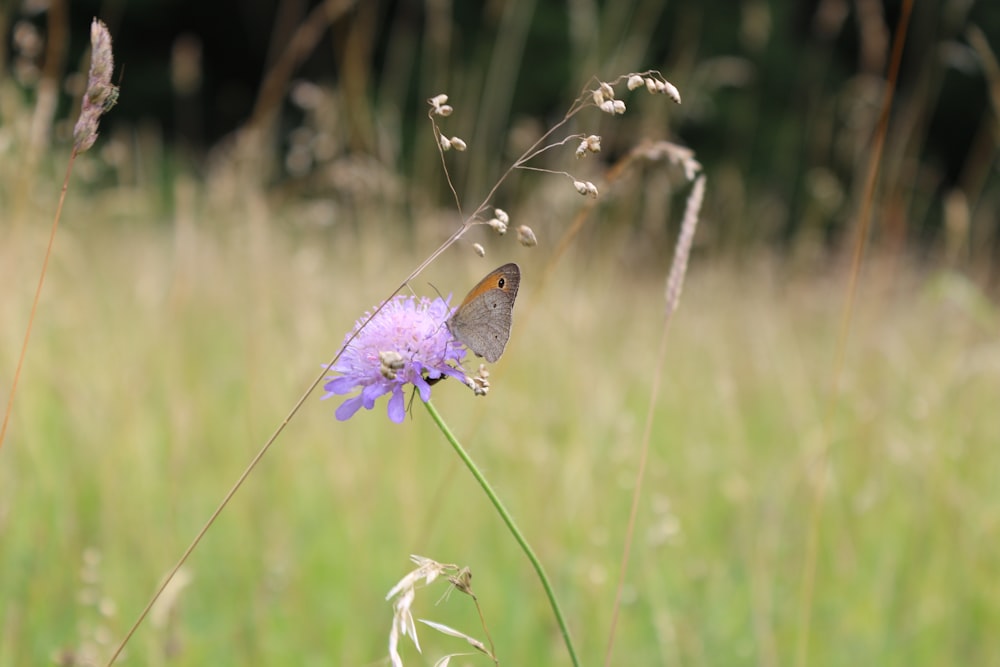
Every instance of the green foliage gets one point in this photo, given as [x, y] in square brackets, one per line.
[162, 360]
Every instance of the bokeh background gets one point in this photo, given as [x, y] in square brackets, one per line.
[821, 488]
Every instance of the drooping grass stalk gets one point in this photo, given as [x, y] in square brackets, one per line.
[511, 525]
[675, 285]
[100, 96]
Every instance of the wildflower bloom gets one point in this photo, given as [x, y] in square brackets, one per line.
[405, 343]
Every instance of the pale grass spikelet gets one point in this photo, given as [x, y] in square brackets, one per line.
[635, 81]
[405, 592]
[452, 632]
[603, 94]
[604, 98]
[670, 90]
[674, 153]
[657, 85]
[675, 281]
[439, 105]
[101, 95]
[586, 188]
[480, 383]
[463, 581]
[589, 144]
[500, 221]
[498, 225]
[526, 236]
[479, 249]
[456, 143]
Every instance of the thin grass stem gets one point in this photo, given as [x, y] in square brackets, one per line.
[509, 520]
[38, 295]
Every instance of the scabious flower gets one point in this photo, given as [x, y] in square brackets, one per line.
[407, 342]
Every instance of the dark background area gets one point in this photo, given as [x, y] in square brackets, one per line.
[771, 88]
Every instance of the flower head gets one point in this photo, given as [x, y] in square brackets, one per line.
[405, 343]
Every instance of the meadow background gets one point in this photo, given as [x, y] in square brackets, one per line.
[216, 245]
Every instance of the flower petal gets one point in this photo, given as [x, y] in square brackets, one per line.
[397, 405]
[425, 389]
[371, 392]
[348, 408]
[344, 384]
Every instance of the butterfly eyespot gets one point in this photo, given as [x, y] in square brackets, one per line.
[501, 283]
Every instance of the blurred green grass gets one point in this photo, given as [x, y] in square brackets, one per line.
[162, 357]
[180, 322]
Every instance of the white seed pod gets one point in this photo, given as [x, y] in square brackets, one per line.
[635, 81]
[499, 226]
[591, 190]
[438, 100]
[593, 143]
[526, 236]
[581, 187]
[444, 110]
[652, 85]
[598, 97]
[671, 91]
[479, 249]
[458, 144]
[501, 215]
[445, 143]
[607, 91]
[619, 107]
[608, 106]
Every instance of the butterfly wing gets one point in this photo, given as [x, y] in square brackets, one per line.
[483, 320]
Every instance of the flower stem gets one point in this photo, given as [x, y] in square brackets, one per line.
[509, 520]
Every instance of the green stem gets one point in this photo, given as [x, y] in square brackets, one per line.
[509, 520]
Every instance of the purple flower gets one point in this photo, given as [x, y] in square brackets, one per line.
[406, 343]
